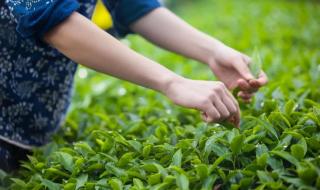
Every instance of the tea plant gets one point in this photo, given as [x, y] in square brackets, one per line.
[120, 136]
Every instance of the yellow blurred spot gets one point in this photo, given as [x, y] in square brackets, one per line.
[101, 16]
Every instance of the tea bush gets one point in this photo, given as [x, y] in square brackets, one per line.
[120, 136]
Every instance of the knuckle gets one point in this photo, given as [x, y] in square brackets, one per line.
[212, 95]
[220, 84]
[219, 87]
[204, 102]
[226, 115]
[237, 58]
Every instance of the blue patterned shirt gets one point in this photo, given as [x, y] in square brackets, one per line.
[35, 79]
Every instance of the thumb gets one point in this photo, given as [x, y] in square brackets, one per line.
[243, 68]
[206, 118]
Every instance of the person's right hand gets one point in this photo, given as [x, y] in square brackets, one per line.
[210, 97]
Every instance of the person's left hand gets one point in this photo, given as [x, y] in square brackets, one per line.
[232, 68]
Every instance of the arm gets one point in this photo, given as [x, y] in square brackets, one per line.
[165, 29]
[85, 43]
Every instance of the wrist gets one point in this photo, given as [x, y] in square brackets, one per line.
[209, 50]
[170, 81]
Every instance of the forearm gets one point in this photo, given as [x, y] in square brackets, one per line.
[168, 31]
[83, 42]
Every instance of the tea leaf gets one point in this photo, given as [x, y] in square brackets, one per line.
[256, 63]
[116, 184]
[286, 156]
[264, 177]
[66, 160]
[236, 144]
[81, 180]
[182, 182]
[176, 159]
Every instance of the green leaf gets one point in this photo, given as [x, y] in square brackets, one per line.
[3, 174]
[169, 179]
[308, 175]
[286, 156]
[50, 185]
[236, 144]
[138, 183]
[177, 158]
[274, 163]
[182, 182]
[202, 171]
[115, 184]
[83, 148]
[304, 146]
[19, 182]
[262, 160]
[261, 149]
[248, 147]
[297, 151]
[279, 120]
[264, 177]
[66, 160]
[146, 150]
[284, 143]
[216, 163]
[263, 122]
[69, 186]
[125, 159]
[290, 107]
[246, 182]
[136, 145]
[154, 179]
[81, 180]
[209, 182]
[256, 63]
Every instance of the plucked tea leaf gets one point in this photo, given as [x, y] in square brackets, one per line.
[256, 63]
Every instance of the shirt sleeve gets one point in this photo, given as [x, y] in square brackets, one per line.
[36, 17]
[125, 12]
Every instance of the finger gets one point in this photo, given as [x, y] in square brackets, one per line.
[221, 108]
[229, 103]
[263, 79]
[254, 84]
[211, 115]
[246, 86]
[243, 69]
[204, 116]
[235, 119]
[245, 95]
[243, 85]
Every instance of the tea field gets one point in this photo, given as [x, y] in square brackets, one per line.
[121, 136]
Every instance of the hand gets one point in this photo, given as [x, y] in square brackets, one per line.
[211, 98]
[232, 68]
